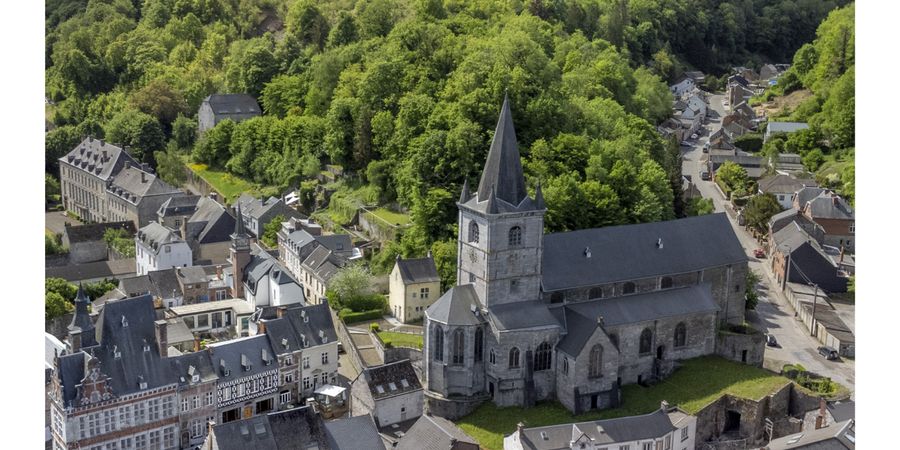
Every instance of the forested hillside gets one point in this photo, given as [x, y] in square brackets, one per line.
[827, 68]
[406, 93]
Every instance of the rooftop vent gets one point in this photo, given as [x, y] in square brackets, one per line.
[284, 343]
[265, 357]
[146, 346]
[659, 243]
[544, 436]
[245, 363]
[141, 383]
[587, 252]
[124, 322]
[116, 353]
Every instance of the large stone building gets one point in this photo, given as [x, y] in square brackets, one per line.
[218, 107]
[83, 176]
[414, 286]
[574, 315]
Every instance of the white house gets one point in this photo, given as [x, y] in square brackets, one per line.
[664, 429]
[391, 393]
[158, 248]
[268, 283]
[682, 86]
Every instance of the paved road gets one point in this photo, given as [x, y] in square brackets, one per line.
[773, 314]
[55, 221]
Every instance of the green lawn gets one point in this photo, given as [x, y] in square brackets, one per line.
[391, 217]
[401, 339]
[227, 184]
[697, 383]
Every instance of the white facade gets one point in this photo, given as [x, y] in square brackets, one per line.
[318, 366]
[682, 87]
[165, 256]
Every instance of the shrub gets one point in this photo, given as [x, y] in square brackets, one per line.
[353, 317]
[374, 327]
[366, 302]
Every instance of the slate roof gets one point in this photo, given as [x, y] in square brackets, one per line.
[127, 325]
[88, 156]
[323, 263]
[338, 243]
[70, 373]
[689, 244]
[520, 315]
[503, 167]
[829, 206]
[93, 271]
[178, 205]
[808, 193]
[133, 184]
[224, 105]
[785, 127]
[137, 285]
[211, 222]
[794, 236]
[783, 184]
[417, 270]
[842, 410]
[837, 436]
[94, 232]
[52, 348]
[379, 379]
[637, 308]
[294, 429]
[232, 353]
[185, 365]
[353, 433]
[253, 433]
[601, 432]
[297, 325]
[433, 433]
[191, 275]
[578, 330]
[455, 306]
[164, 282]
[153, 235]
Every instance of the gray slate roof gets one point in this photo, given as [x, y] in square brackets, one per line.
[232, 353]
[689, 244]
[287, 334]
[785, 127]
[253, 433]
[179, 205]
[323, 263]
[418, 270]
[211, 222]
[503, 168]
[610, 431]
[353, 433]
[88, 155]
[829, 206]
[153, 235]
[842, 410]
[783, 184]
[455, 307]
[637, 308]
[433, 433]
[392, 373]
[520, 315]
[94, 232]
[837, 436]
[92, 271]
[225, 105]
[133, 184]
[185, 365]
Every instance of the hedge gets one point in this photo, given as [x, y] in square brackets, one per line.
[348, 316]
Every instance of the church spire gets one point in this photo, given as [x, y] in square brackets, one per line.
[503, 168]
[539, 197]
[239, 224]
[492, 202]
[465, 195]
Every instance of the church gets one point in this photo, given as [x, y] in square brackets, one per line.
[573, 316]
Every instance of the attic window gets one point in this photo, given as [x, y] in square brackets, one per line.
[392, 386]
[245, 363]
[124, 322]
[659, 243]
[404, 383]
[323, 336]
[379, 388]
[116, 353]
[141, 383]
[587, 252]
[265, 357]
[146, 346]
[544, 436]
[340, 246]
[284, 343]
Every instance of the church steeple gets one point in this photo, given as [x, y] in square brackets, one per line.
[81, 330]
[465, 195]
[503, 168]
[240, 255]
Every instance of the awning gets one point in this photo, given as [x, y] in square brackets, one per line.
[330, 390]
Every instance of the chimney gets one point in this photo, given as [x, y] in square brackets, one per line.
[520, 427]
[279, 313]
[75, 340]
[842, 254]
[214, 196]
[834, 200]
[143, 177]
[261, 327]
[105, 156]
[664, 405]
[196, 343]
[162, 338]
[127, 164]
[219, 271]
[90, 139]
[102, 142]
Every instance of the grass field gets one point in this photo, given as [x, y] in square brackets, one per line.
[488, 424]
[391, 217]
[228, 185]
[401, 339]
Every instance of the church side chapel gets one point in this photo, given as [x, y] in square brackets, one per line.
[575, 315]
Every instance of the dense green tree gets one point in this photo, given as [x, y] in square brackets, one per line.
[445, 254]
[212, 148]
[350, 282]
[170, 167]
[345, 30]
[57, 143]
[759, 210]
[733, 176]
[284, 95]
[138, 130]
[62, 287]
[99, 288]
[813, 160]
[55, 305]
[184, 132]
[307, 22]
[160, 100]
[270, 231]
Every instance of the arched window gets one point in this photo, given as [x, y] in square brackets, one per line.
[680, 334]
[596, 361]
[542, 357]
[479, 345]
[665, 283]
[595, 292]
[628, 288]
[459, 346]
[493, 357]
[565, 365]
[646, 341]
[557, 297]
[514, 358]
[438, 342]
[473, 232]
[515, 236]
[614, 338]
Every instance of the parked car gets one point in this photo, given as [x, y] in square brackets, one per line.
[704, 175]
[759, 253]
[828, 352]
[771, 341]
[340, 347]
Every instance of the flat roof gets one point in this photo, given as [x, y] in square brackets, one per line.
[239, 305]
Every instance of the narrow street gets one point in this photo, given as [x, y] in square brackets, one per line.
[773, 314]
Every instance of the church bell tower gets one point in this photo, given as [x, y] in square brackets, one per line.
[500, 227]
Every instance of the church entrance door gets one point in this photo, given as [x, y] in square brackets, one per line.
[659, 352]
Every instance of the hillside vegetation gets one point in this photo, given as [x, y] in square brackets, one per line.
[405, 94]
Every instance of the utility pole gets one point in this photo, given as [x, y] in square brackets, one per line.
[812, 330]
[787, 270]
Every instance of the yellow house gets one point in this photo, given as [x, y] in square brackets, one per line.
[415, 285]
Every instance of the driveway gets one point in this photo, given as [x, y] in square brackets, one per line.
[773, 314]
[55, 221]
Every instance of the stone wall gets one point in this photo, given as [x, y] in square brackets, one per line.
[732, 346]
[85, 252]
[452, 409]
[58, 327]
[711, 420]
[347, 343]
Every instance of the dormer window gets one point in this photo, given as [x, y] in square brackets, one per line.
[146, 346]
[284, 343]
[141, 383]
[245, 363]
[116, 353]
[265, 357]
[124, 322]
